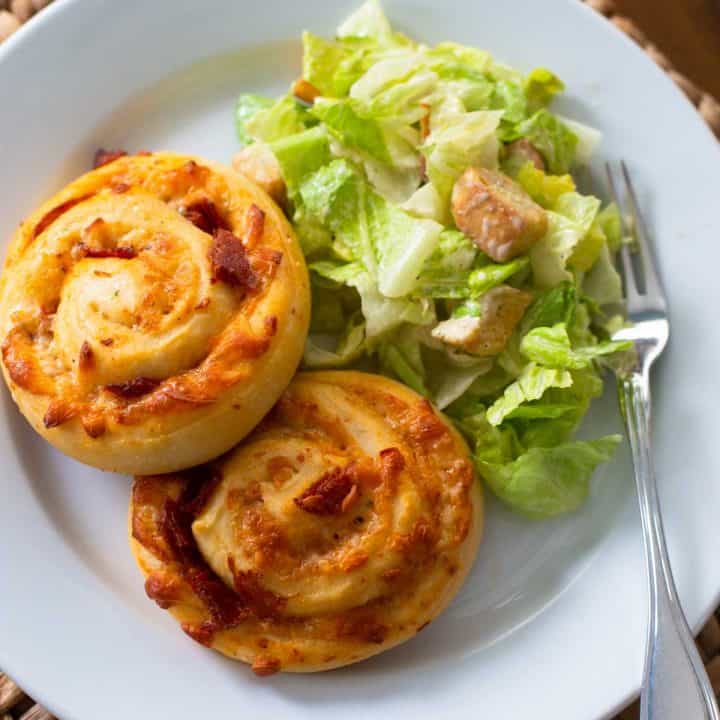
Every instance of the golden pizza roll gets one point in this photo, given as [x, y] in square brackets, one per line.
[341, 527]
[152, 312]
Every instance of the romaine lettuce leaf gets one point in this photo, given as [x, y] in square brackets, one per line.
[285, 117]
[544, 189]
[540, 87]
[553, 139]
[332, 67]
[603, 283]
[550, 347]
[545, 482]
[344, 120]
[402, 245]
[328, 351]
[301, 155]
[382, 314]
[588, 139]
[493, 274]
[568, 224]
[368, 21]
[246, 107]
[531, 385]
[553, 306]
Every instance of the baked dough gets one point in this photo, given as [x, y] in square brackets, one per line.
[152, 312]
[341, 527]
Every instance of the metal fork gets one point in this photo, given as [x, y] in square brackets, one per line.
[675, 684]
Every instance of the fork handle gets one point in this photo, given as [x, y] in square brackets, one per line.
[675, 684]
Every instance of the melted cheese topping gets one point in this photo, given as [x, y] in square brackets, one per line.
[123, 344]
[342, 526]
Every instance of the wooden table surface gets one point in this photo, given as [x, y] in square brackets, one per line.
[687, 31]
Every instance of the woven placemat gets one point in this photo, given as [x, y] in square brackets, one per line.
[16, 705]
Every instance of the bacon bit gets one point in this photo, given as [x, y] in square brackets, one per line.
[107, 342]
[305, 91]
[143, 153]
[52, 215]
[202, 634]
[264, 604]
[326, 495]
[163, 589]
[205, 215]
[119, 188]
[104, 157]
[122, 252]
[203, 304]
[58, 412]
[271, 324]
[224, 607]
[353, 562]
[203, 482]
[265, 665]
[392, 463]
[93, 424]
[426, 426]
[229, 261]
[86, 359]
[133, 388]
[148, 499]
[349, 499]
[364, 473]
[254, 226]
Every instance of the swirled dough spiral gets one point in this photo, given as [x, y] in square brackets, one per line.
[152, 312]
[342, 526]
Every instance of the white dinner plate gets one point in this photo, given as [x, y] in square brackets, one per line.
[551, 623]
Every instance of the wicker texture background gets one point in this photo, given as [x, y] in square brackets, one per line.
[15, 705]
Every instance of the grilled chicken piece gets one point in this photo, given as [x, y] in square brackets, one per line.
[257, 163]
[497, 214]
[502, 309]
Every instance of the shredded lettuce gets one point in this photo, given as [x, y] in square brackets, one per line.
[369, 168]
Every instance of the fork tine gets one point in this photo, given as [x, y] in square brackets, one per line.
[628, 272]
[653, 286]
